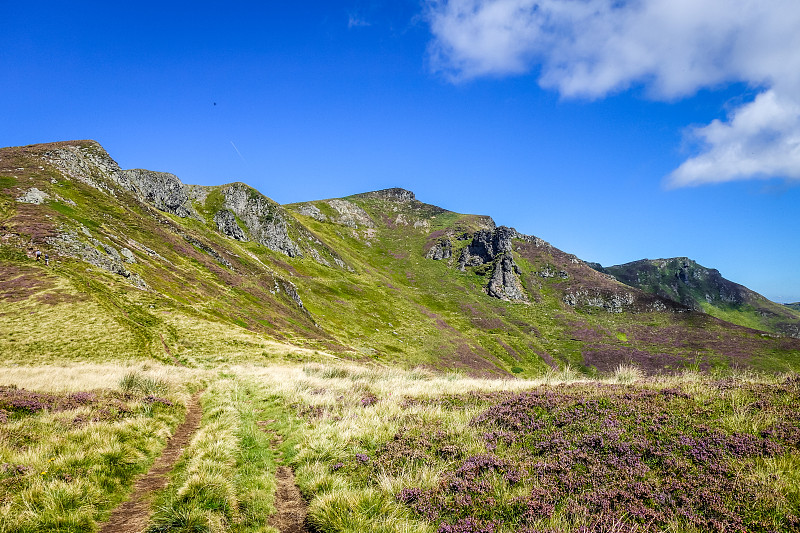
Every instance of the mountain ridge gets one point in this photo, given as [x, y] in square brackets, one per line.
[376, 276]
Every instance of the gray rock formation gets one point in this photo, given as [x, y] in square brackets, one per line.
[486, 245]
[264, 219]
[350, 214]
[127, 255]
[504, 283]
[33, 196]
[87, 162]
[291, 291]
[395, 194]
[550, 272]
[162, 190]
[495, 246]
[227, 225]
[611, 302]
[69, 244]
[443, 249]
[310, 210]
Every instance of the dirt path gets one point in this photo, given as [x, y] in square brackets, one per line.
[132, 515]
[291, 507]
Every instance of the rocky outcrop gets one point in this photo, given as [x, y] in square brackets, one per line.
[86, 161]
[264, 220]
[612, 302]
[395, 194]
[550, 272]
[486, 245]
[227, 225]
[291, 291]
[350, 214]
[504, 283]
[33, 196]
[495, 246]
[310, 210]
[443, 249]
[99, 254]
[162, 190]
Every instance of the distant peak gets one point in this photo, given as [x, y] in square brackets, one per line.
[395, 194]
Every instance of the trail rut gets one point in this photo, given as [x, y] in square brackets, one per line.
[292, 509]
[132, 515]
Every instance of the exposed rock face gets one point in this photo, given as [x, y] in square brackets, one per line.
[310, 210]
[33, 196]
[486, 245]
[611, 302]
[395, 194]
[443, 249]
[87, 162]
[550, 272]
[127, 255]
[350, 214]
[263, 218]
[69, 244]
[227, 225]
[789, 329]
[504, 283]
[162, 190]
[291, 292]
[496, 246]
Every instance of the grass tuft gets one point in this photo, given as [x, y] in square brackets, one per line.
[136, 382]
[628, 374]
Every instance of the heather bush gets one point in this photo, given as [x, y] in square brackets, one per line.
[671, 453]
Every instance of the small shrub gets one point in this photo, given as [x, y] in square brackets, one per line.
[135, 382]
[628, 374]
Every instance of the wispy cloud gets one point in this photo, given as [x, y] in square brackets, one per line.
[673, 48]
[357, 21]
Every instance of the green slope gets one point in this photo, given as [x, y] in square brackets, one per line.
[146, 266]
[704, 289]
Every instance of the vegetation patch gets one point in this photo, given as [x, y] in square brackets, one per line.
[685, 453]
[225, 481]
[68, 458]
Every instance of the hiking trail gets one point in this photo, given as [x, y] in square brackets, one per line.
[132, 515]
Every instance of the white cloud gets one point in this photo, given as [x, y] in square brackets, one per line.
[590, 48]
[760, 140]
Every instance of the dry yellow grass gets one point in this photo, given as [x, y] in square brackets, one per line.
[87, 376]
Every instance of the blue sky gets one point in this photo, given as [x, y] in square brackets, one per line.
[614, 130]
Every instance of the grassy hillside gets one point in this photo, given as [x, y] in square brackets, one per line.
[704, 289]
[144, 266]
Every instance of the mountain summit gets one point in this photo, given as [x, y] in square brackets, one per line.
[704, 289]
[144, 265]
